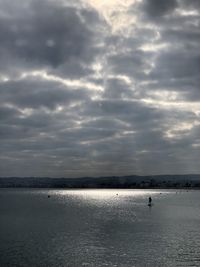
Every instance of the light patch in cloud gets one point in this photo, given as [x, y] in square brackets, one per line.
[196, 145]
[151, 47]
[68, 82]
[186, 13]
[174, 105]
[115, 13]
[180, 129]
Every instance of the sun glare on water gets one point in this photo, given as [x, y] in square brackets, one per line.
[105, 195]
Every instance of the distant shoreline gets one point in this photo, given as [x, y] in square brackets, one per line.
[185, 182]
[106, 188]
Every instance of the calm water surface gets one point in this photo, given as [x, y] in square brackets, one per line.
[99, 228]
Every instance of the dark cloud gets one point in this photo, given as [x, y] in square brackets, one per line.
[176, 67]
[193, 4]
[177, 64]
[49, 35]
[158, 8]
[7, 112]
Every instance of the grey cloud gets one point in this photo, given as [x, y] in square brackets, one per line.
[158, 8]
[131, 63]
[135, 116]
[49, 35]
[7, 112]
[177, 64]
[176, 67]
[190, 4]
[106, 123]
[117, 89]
[39, 93]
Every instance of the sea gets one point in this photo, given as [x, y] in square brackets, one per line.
[101, 227]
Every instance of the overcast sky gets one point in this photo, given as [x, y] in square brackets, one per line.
[99, 87]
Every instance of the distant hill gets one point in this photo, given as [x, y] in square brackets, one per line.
[132, 181]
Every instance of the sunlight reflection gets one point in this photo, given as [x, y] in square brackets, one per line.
[102, 195]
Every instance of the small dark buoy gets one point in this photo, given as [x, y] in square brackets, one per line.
[48, 196]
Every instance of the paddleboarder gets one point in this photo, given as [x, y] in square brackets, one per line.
[150, 200]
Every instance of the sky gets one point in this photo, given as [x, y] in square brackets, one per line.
[99, 87]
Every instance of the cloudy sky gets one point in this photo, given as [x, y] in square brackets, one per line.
[99, 87]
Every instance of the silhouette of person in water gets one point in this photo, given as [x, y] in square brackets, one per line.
[150, 200]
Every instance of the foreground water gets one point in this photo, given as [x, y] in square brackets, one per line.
[99, 228]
